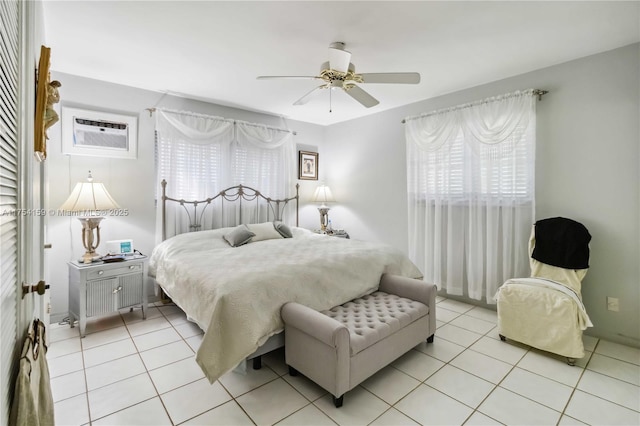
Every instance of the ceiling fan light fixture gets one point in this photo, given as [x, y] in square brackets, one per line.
[339, 58]
[340, 73]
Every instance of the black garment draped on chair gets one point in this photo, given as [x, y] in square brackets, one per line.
[562, 242]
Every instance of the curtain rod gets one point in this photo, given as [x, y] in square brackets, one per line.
[247, 123]
[536, 92]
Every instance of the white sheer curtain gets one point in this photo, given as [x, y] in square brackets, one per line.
[200, 155]
[264, 158]
[470, 179]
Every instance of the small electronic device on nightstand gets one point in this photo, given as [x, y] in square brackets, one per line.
[119, 247]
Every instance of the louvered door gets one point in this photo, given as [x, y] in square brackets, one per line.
[9, 69]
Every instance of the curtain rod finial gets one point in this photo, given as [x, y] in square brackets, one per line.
[540, 93]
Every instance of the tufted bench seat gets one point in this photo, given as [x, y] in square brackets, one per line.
[341, 347]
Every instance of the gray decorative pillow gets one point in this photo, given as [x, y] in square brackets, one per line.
[282, 229]
[238, 236]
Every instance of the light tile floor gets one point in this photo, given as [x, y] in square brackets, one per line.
[127, 371]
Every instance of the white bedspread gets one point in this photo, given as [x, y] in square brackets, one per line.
[235, 294]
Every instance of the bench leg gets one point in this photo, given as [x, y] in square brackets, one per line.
[292, 371]
[257, 363]
[430, 338]
[338, 401]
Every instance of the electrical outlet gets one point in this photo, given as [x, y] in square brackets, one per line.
[613, 304]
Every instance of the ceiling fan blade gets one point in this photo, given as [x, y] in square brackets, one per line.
[361, 96]
[392, 77]
[339, 58]
[306, 98]
[299, 77]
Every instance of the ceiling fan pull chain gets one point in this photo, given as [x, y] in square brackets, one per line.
[330, 90]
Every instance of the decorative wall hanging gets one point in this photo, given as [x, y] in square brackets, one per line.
[308, 165]
[46, 95]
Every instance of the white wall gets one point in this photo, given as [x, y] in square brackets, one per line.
[587, 169]
[130, 182]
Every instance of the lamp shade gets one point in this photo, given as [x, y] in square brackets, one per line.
[89, 196]
[323, 195]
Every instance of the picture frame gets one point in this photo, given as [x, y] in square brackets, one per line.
[99, 133]
[308, 165]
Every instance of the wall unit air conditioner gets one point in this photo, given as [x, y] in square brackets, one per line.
[99, 134]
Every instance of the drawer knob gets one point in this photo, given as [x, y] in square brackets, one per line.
[117, 289]
[100, 272]
[132, 266]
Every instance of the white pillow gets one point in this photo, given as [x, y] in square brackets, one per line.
[263, 231]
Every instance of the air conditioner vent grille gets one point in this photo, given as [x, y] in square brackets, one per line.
[105, 124]
[100, 134]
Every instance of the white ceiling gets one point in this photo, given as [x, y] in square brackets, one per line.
[213, 51]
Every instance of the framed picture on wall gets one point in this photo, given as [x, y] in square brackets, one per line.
[308, 165]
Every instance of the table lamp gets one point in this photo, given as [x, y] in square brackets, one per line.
[323, 195]
[88, 201]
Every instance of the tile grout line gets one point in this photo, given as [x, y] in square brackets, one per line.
[183, 339]
[513, 367]
[495, 385]
[575, 388]
[146, 369]
[86, 383]
[146, 372]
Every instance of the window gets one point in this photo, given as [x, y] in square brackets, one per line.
[470, 179]
[200, 155]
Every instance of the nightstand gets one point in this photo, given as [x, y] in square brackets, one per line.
[100, 288]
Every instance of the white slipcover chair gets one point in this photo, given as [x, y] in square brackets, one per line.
[545, 311]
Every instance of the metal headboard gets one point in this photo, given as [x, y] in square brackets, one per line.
[235, 193]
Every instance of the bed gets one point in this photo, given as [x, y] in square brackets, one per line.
[234, 294]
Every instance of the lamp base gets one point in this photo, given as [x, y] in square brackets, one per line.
[90, 258]
[324, 217]
[88, 241]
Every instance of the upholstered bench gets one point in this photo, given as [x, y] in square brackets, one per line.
[341, 347]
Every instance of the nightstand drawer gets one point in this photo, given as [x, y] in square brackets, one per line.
[111, 271]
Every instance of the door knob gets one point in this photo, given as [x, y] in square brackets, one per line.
[40, 288]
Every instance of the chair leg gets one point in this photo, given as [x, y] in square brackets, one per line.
[430, 338]
[257, 363]
[338, 401]
[292, 371]
[571, 361]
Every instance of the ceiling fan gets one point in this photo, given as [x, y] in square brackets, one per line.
[339, 72]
